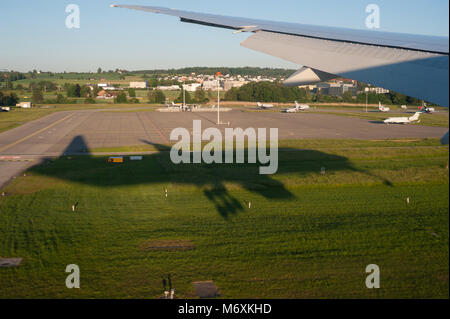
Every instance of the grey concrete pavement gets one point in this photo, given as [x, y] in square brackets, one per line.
[52, 135]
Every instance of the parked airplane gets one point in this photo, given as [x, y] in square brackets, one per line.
[297, 108]
[264, 106]
[403, 120]
[302, 107]
[176, 104]
[383, 108]
[186, 107]
[426, 109]
[291, 110]
[172, 104]
[414, 65]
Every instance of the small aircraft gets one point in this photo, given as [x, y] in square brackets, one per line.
[264, 106]
[173, 104]
[382, 108]
[302, 107]
[426, 109]
[186, 107]
[298, 107]
[403, 120]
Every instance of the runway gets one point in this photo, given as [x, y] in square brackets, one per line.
[28, 144]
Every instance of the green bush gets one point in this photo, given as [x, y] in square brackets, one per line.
[121, 98]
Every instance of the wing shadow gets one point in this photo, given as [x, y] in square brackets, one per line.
[214, 180]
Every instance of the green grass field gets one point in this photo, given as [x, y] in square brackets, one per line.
[306, 235]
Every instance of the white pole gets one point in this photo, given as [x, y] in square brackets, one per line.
[367, 97]
[367, 100]
[218, 102]
[184, 95]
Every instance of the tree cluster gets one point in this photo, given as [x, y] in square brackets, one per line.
[267, 92]
[10, 99]
[156, 97]
[43, 86]
[11, 76]
[199, 97]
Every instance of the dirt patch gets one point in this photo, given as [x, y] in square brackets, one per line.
[175, 244]
[24, 185]
[10, 262]
[206, 289]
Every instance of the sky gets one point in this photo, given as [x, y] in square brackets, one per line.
[34, 33]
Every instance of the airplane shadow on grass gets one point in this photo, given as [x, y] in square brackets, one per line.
[212, 179]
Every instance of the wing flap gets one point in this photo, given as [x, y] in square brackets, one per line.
[419, 74]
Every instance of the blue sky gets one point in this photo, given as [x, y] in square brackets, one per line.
[34, 35]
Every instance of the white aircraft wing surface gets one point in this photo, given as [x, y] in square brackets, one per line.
[414, 65]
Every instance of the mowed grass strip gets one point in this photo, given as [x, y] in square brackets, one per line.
[306, 235]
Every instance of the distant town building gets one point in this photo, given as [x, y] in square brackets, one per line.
[379, 90]
[210, 85]
[169, 88]
[138, 85]
[228, 85]
[350, 88]
[25, 105]
[103, 94]
[309, 87]
[336, 89]
[107, 87]
[191, 87]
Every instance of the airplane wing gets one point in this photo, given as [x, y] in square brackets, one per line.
[413, 65]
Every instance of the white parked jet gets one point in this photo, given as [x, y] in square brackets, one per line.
[264, 106]
[291, 110]
[302, 107]
[382, 108]
[297, 108]
[426, 109]
[172, 104]
[403, 120]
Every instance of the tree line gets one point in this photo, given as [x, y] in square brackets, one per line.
[276, 92]
[11, 76]
[250, 71]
